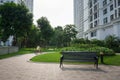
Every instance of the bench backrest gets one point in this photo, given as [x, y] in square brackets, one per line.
[78, 55]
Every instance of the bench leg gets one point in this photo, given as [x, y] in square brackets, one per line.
[96, 64]
[61, 62]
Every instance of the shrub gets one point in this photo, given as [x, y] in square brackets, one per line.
[97, 42]
[79, 41]
[97, 49]
[116, 49]
[105, 50]
[111, 41]
[83, 45]
[73, 49]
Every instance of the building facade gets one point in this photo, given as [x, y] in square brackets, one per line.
[101, 18]
[78, 17]
[28, 3]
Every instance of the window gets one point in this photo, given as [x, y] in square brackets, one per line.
[95, 7]
[91, 25]
[118, 2]
[119, 12]
[111, 17]
[90, 11]
[93, 34]
[111, 7]
[90, 3]
[95, 1]
[115, 13]
[115, 3]
[1, 1]
[105, 11]
[104, 2]
[91, 18]
[105, 20]
[95, 23]
[95, 15]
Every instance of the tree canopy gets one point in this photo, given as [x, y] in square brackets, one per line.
[69, 34]
[57, 39]
[15, 20]
[46, 29]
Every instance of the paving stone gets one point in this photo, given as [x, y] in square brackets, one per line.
[20, 68]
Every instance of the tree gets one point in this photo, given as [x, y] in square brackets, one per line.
[16, 21]
[34, 37]
[111, 41]
[69, 34]
[57, 39]
[46, 29]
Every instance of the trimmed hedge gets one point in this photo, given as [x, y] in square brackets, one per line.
[97, 49]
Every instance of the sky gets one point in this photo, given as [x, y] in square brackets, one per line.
[58, 12]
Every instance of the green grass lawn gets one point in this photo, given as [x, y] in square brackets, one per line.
[20, 52]
[112, 60]
[50, 57]
[55, 57]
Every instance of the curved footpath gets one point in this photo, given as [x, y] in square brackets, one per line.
[20, 68]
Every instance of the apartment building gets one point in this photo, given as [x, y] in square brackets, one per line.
[78, 17]
[101, 18]
[28, 3]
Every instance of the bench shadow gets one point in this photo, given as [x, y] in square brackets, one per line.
[83, 69]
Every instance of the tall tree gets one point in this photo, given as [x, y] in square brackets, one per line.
[16, 20]
[34, 37]
[69, 34]
[46, 29]
[57, 39]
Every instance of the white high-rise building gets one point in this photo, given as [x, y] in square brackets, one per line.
[28, 3]
[101, 18]
[4, 1]
[78, 17]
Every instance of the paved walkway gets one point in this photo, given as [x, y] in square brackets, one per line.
[19, 68]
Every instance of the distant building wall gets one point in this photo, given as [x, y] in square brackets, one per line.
[28, 3]
[7, 50]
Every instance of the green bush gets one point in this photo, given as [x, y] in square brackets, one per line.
[77, 41]
[97, 42]
[97, 49]
[83, 45]
[72, 49]
[116, 49]
[105, 50]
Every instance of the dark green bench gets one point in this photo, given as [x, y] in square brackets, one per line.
[79, 56]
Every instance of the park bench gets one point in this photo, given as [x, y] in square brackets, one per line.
[79, 56]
